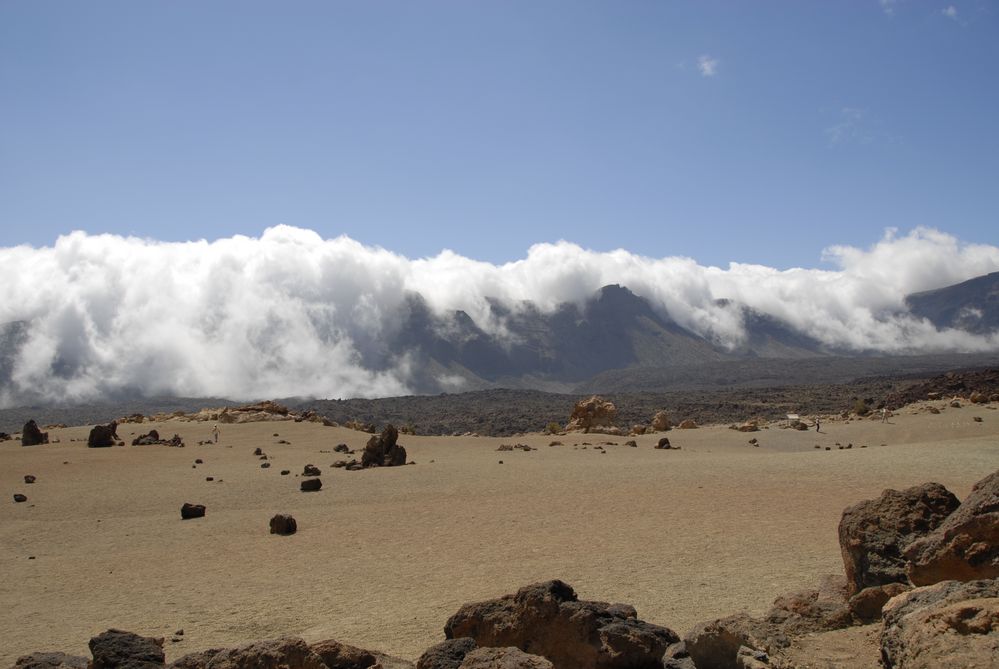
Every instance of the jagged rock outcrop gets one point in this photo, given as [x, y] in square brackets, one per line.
[817, 610]
[965, 546]
[503, 658]
[592, 414]
[337, 655]
[661, 422]
[117, 649]
[32, 436]
[873, 533]
[284, 653]
[866, 604]
[949, 624]
[716, 643]
[51, 661]
[547, 619]
[384, 450]
[447, 654]
[103, 436]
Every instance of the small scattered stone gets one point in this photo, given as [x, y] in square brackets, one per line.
[311, 485]
[632, 443]
[209, 478]
[311, 470]
[199, 461]
[265, 465]
[189, 511]
[28, 478]
[18, 497]
[283, 524]
[501, 462]
[977, 419]
[258, 451]
[285, 472]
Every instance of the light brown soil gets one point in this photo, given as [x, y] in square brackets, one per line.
[383, 557]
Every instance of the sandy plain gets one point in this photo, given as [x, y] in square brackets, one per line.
[383, 557]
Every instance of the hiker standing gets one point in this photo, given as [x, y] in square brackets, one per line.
[215, 433]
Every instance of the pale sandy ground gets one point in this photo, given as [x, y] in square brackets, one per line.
[383, 557]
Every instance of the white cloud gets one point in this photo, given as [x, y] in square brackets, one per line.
[707, 65]
[850, 126]
[888, 6]
[290, 313]
[950, 12]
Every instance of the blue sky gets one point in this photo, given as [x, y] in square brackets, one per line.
[723, 131]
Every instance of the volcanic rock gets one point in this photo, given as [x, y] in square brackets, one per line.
[311, 470]
[311, 485]
[383, 451]
[192, 511]
[949, 624]
[547, 619]
[664, 444]
[18, 497]
[819, 610]
[873, 533]
[866, 604]
[117, 649]
[51, 661]
[503, 658]
[447, 654]
[965, 546]
[103, 436]
[716, 643]
[688, 424]
[148, 439]
[283, 524]
[28, 478]
[284, 653]
[32, 436]
[661, 422]
[592, 413]
[341, 448]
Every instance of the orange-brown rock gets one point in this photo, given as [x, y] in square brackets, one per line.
[592, 413]
[661, 422]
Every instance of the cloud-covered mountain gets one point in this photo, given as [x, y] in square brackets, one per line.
[292, 314]
[971, 305]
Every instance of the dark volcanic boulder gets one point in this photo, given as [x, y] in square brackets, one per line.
[716, 643]
[116, 649]
[503, 658]
[311, 470]
[311, 485]
[873, 533]
[866, 604]
[192, 511]
[965, 546]
[447, 654]
[950, 624]
[149, 439]
[51, 661]
[283, 524]
[32, 436]
[336, 655]
[383, 450]
[18, 497]
[286, 653]
[820, 610]
[547, 619]
[102, 436]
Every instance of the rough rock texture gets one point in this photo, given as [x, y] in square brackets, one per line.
[547, 619]
[311, 485]
[102, 436]
[192, 511]
[447, 654]
[383, 450]
[311, 470]
[591, 413]
[950, 624]
[117, 649]
[688, 424]
[336, 655]
[51, 661]
[661, 422]
[503, 658]
[285, 653]
[32, 436]
[873, 533]
[283, 524]
[866, 604]
[823, 609]
[716, 643]
[965, 546]
[148, 439]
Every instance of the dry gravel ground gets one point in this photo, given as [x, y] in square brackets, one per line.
[383, 557]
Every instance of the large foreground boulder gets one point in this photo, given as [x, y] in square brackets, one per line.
[117, 649]
[592, 413]
[817, 610]
[103, 436]
[383, 450]
[716, 643]
[285, 653]
[448, 654]
[965, 546]
[336, 655]
[503, 658]
[51, 661]
[873, 533]
[547, 619]
[32, 436]
[950, 624]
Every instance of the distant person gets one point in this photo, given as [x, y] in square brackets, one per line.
[215, 434]
[884, 414]
[816, 424]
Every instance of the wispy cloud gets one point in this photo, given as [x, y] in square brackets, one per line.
[707, 65]
[950, 12]
[849, 127]
[888, 6]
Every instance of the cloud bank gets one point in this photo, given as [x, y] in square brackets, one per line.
[291, 314]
